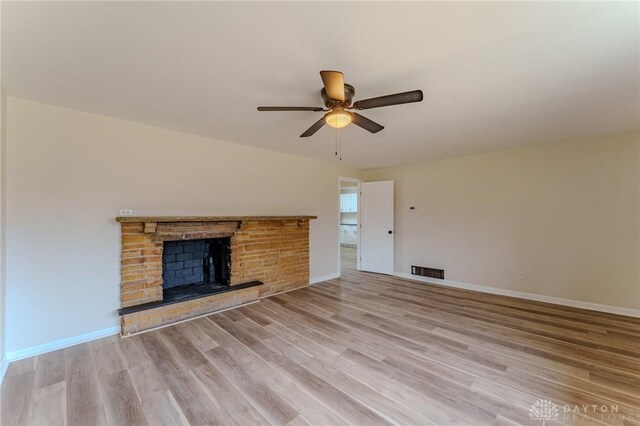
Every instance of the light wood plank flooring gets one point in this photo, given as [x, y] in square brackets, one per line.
[365, 349]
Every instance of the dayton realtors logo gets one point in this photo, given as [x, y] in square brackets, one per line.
[544, 410]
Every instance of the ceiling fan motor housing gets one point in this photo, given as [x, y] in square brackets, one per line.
[349, 93]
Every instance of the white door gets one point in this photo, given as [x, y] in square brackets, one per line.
[376, 226]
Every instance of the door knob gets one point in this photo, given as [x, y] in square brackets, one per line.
[390, 232]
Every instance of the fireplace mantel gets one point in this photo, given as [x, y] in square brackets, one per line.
[164, 219]
[269, 252]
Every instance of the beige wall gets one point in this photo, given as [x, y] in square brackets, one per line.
[566, 214]
[68, 175]
[3, 110]
[3, 128]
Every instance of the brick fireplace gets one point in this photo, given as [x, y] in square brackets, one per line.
[175, 268]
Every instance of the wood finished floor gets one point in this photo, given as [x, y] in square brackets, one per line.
[365, 349]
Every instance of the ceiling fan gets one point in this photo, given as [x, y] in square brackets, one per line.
[337, 98]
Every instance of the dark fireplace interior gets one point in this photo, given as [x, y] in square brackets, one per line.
[194, 268]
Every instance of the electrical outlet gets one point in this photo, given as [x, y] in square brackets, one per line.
[521, 275]
[126, 212]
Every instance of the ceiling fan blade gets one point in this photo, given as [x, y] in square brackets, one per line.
[311, 130]
[334, 84]
[388, 100]
[281, 108]
[365, 123]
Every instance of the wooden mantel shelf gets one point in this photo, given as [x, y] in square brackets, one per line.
[164, 219]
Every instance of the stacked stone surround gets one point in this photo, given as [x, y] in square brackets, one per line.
[271, 249]
[274, 252]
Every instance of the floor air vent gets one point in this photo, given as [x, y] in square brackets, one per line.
[427, 272]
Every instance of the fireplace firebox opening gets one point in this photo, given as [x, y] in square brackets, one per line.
[195, 267]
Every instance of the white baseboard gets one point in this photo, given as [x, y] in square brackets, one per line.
[522, 295]
[62, 343]
[3, 367]
[315, 280]
[75, 340]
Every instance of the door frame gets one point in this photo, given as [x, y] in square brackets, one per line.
[357, 182]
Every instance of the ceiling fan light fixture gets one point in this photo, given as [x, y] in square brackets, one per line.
[338, 118]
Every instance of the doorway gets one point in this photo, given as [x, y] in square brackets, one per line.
[348, 238]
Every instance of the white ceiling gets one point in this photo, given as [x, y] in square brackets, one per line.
[494, 75]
